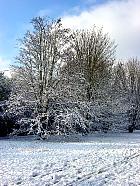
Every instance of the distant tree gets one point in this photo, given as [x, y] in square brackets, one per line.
[126, 91]
[133, 76]
[5, 87]
[119, 84]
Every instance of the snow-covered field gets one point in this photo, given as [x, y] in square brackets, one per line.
[109, 159]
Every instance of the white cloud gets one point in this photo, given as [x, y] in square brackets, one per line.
[120, 18]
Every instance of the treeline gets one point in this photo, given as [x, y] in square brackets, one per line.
[5, 89]
[67, 81]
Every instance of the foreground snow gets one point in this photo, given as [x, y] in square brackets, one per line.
[109, 159]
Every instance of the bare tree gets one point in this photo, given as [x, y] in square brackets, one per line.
[133, 77]
[119, 81]
[38, 70]
[126, 90]
[88, 73]
[40, 60]
[94, 57]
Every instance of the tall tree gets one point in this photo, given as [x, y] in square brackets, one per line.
[40, 60]
[94, 57]
[88, 71]
[38, 70]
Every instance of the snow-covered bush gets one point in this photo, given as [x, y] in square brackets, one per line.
[72, 122]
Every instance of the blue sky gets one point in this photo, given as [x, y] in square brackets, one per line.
[114, 15]
[15, 16]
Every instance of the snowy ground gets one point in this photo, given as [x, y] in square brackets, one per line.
[109, 159]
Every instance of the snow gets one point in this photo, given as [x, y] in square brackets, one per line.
[98, 159]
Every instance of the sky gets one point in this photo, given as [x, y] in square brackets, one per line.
[119, 18]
